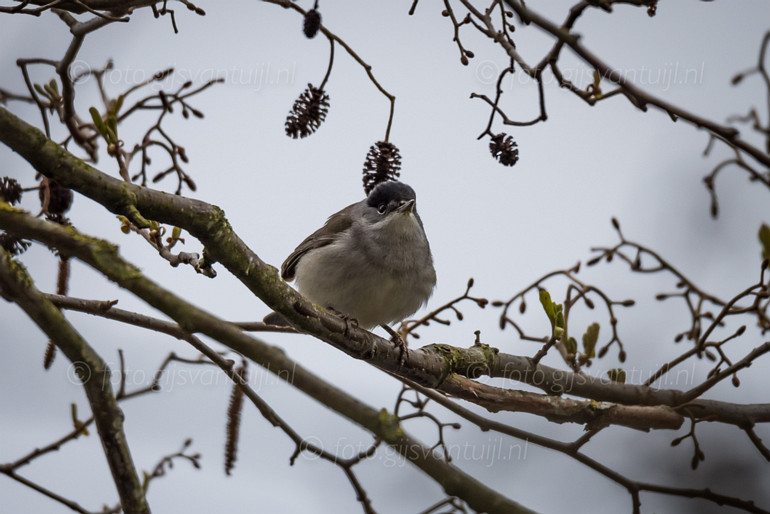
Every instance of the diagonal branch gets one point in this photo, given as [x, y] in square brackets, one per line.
[42, 490]
[428, 366]
[554, 408]
[104, 258]
[637, 96]
[560, 410]
[16, 285]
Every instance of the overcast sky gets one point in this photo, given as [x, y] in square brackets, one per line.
[504, 226]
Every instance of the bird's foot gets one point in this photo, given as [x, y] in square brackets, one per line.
[397, 340]
[347, 319]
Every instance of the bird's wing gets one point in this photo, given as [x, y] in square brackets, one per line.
[325, 235]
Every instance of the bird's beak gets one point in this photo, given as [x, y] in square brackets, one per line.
[406, 207]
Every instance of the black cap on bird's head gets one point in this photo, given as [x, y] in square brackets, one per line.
[390, 195]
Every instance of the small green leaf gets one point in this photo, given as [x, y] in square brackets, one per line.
[111, 136]
[115, 106]
[589, 340]
[51, 92]
[558, 327]
[617, 375]
[99, 122]
[54, 86]
[112, 124]
[764, 238]
[176, 237]
[571, 345]
[597, 88]
[545, 300]
[125, 224]
[40, 89]
[554, 311]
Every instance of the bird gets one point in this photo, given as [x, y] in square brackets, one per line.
[371, 262]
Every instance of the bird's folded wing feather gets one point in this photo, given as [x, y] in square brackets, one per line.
[325, 235]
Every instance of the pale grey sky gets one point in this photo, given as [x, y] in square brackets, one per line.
[503, 226]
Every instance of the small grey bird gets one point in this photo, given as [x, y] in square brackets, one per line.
[371, 261]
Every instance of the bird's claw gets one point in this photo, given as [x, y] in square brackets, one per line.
[347, 319]
[399, 342]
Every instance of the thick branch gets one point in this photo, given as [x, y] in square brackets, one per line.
[106, 309]
[554, 408]
[557, 381]
[16, 285]
[82, 6]
[561, 410]
[104, 258]
[639, 97]
[428, 366]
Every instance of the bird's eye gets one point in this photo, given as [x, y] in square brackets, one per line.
[382, 208]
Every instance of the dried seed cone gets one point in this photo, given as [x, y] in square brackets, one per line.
[312, 23]
[13, 244]
[504, 149]
[307, 113]
[10, 190]
[383, 163]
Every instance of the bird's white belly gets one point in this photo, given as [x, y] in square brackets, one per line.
[366, 292]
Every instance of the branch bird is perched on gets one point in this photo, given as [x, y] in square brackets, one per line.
[371, 261]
